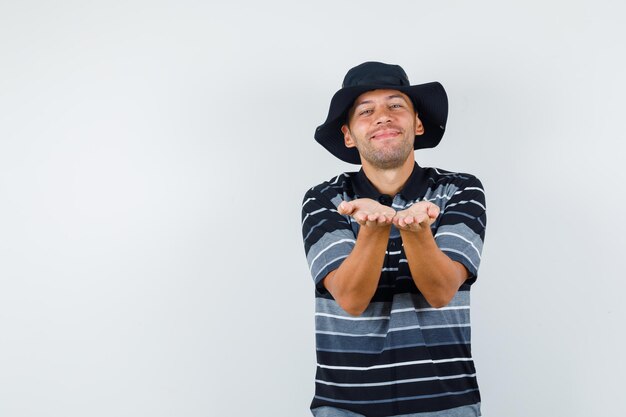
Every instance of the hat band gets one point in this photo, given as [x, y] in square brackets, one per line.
[379, 79]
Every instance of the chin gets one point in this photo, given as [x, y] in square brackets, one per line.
[387, 163]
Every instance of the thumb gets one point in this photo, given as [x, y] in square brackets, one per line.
[433, 211]
[344, 207]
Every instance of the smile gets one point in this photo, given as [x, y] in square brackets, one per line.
[385, 134]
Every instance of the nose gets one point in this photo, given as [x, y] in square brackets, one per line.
[382, 116]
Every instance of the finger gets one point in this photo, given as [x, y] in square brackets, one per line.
[360, 218]
[345, 207]
[421, 218]
[410, 223]
[433, 211]
[399, 216]
[372, 217]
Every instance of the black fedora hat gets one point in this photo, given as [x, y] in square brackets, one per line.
[430, 102]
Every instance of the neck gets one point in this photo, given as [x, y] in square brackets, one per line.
[389, 181]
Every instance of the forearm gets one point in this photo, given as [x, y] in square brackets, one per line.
[354, 283]
[436, 275]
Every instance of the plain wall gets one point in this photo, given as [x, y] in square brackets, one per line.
[153, 160]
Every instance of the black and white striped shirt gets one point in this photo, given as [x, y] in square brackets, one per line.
[401, 357]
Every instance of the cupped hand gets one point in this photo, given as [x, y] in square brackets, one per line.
[367, 212]
[417, 217]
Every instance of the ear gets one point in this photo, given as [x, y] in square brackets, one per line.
[347, 137]
[419, 126]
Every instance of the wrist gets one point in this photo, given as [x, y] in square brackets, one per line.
[421, 236]
[375, 231]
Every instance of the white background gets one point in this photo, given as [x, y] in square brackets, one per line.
[153, 159]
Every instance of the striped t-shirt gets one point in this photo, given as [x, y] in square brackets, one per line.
[401, 357]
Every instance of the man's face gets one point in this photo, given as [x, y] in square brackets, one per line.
[382, 124]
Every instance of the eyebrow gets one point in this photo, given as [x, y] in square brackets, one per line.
[388, 98]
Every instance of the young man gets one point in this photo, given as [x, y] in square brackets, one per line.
[393, 250]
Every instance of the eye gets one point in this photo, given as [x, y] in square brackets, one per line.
[396, 106]
[365, 112]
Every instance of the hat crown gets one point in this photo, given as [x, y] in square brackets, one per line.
[376, 73]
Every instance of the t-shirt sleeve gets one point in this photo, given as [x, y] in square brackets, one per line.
[328, 236]
[461, 228]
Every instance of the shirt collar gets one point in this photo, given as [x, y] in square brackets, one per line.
[414, 186]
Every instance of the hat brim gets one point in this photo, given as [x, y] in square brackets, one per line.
[430, 101]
